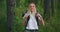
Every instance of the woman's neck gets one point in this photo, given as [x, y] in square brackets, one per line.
[32, 11]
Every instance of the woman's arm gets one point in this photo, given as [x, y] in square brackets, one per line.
[24, 19]
[41, 19]
[23, 23]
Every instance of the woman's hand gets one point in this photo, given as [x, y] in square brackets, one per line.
[25, 16]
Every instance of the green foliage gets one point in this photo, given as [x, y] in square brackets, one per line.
[2, 15]
[51, 25]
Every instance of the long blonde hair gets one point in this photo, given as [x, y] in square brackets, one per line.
[29, 12]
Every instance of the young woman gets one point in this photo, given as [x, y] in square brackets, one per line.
[32, 25]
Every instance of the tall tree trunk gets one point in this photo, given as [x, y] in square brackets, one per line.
[10, 6]
[47, 9]
[52, 6]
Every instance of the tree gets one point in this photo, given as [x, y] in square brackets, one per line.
[52, 6]
[10, 7]
[47, 9]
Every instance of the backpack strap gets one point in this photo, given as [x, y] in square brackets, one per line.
[29, 18]
[37, 19]
[27, 21]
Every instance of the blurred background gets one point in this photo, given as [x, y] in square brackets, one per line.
[11, 14]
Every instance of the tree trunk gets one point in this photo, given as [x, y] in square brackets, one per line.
[10, 6]
[52, 6]
[47, 9]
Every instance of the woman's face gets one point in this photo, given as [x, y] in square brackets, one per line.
[32, 7]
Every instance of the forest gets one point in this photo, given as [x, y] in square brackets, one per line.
[11, 15]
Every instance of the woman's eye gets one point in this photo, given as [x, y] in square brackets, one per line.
[31, 6]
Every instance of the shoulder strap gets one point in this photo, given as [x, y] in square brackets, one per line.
[29, 18]
[37, 19]
[27, 21]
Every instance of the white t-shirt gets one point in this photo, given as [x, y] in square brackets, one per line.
[32, 23]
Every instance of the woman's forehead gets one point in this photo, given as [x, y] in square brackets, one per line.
[32, 4]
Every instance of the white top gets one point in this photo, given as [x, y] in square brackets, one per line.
[32, 23]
